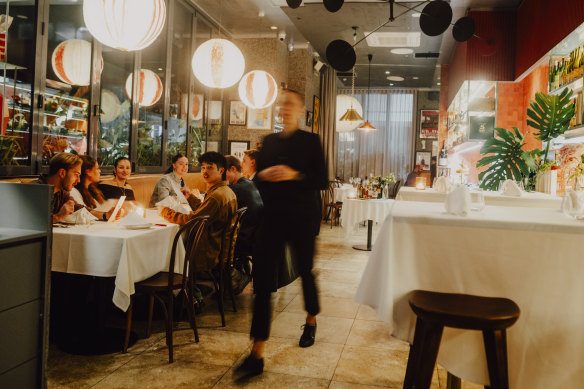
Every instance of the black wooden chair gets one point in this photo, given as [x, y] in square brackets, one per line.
[435, 311]
[164, 284]
[332, 207]
[395, 189]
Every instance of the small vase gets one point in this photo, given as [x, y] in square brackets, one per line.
[547, 182]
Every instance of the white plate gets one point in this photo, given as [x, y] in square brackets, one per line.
[138, 226]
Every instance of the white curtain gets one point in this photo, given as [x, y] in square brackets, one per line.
[389, 148]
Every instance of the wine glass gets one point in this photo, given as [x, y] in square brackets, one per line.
[477, 200]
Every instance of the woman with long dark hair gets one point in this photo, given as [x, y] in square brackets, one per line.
[118, 186]
[172, 183]
[86, 191]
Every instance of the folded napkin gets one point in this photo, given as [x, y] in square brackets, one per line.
[133, 219]
[573, 203]
[458, 201]
[442, 185]
[174, 204]
[81, 216]
[510, 188]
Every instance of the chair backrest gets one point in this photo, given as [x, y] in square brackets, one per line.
[230, 237]
[330, 192]
[191, 234]
[395, 188]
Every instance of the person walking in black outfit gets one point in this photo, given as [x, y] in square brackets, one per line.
[291, 173]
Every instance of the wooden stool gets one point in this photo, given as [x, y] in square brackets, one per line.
[435, 311]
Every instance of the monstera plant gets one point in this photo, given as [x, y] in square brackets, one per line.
[506, 159]
[551, 116]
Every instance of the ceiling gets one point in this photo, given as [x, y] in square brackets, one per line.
[312, 24]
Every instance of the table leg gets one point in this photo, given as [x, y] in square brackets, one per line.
[369, 236]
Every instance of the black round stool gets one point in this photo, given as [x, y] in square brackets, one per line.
[435, 311]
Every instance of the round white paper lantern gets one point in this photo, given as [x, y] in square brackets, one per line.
[218, 63]
[344, 102]
[126, 25]
[71, 62]
[149, 90]
[258, 89]
[110, 106]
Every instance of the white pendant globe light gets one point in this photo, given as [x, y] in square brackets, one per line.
[258, 89]
[71, 61]
[344, 103]
[218, 63]
[149, 89]
[126, 25]
[110, 106]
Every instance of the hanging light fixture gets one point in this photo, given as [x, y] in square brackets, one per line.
[71, 62]
[218, 63]
[368, 126]
[352, 116]
[126, 25]
[258, 89]
[149, 89]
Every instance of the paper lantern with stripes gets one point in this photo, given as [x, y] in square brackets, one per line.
[258, 89]
[126, 25]
[71, 62]
[218, 63]
[149, 90]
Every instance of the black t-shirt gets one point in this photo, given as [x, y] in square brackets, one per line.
[115, 192]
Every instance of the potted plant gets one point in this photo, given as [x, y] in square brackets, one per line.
[9, 148]
[551, 116]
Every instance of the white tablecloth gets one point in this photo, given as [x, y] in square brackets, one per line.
[528, 199]
[532, 256]
[357, 210]
[108, 250]
[344, 191]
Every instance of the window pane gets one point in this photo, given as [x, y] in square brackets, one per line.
[151, 100]
[68, 81]
[179, 82]
[197, 131]
[16, 77]
[115, 106]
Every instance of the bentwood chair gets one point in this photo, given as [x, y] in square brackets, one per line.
[221, 275]
[164, 284]
[435, 311]
[334, 207]
[395, 189]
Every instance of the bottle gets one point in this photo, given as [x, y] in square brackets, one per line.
[360, 191]
[443, 161]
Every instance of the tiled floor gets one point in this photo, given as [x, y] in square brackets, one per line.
[353, 349]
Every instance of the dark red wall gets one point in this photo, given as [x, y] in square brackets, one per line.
[542, 24]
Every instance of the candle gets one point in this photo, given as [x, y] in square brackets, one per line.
[140, 211]
[420, 183]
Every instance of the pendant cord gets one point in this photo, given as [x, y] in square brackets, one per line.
[370, 56]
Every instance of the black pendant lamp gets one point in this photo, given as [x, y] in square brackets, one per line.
[368, 126]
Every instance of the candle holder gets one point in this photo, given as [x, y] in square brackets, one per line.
[421, 183]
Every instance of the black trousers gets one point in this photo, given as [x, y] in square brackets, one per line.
[268, 257]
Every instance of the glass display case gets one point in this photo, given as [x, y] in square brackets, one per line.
[472, 113]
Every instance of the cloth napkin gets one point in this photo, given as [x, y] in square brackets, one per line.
[174, 204]
[81, 216]
[133, 219]
[573, 203]
[442, 185]
[510, 188]
[458, 201]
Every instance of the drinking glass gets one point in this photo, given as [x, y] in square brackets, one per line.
[477, 200]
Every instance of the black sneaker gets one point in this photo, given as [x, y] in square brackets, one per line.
[307, 338]
[250, 367]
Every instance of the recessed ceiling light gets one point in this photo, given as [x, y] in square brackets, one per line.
[395, 78]
[390, 84]
[415, 78]
[344, 79]
[387, 72]
[273, 28]
[437, 83]
[261, 13]
[416, 15]
[159, 69]
[402, 51]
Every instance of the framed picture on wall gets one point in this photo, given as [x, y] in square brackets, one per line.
[259, 119]
[237, 113]
[309, 119]
[315, 114]
[237, 148]
[423, 158]
[429, 123]
[214, 109]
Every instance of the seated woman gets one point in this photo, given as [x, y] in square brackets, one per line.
[172, 183]
[86, 192]
[118, 186]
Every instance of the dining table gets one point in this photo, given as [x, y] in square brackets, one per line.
[106, 249]
[532, 256]
[356, 211]
[342, 192]
[527, 199]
